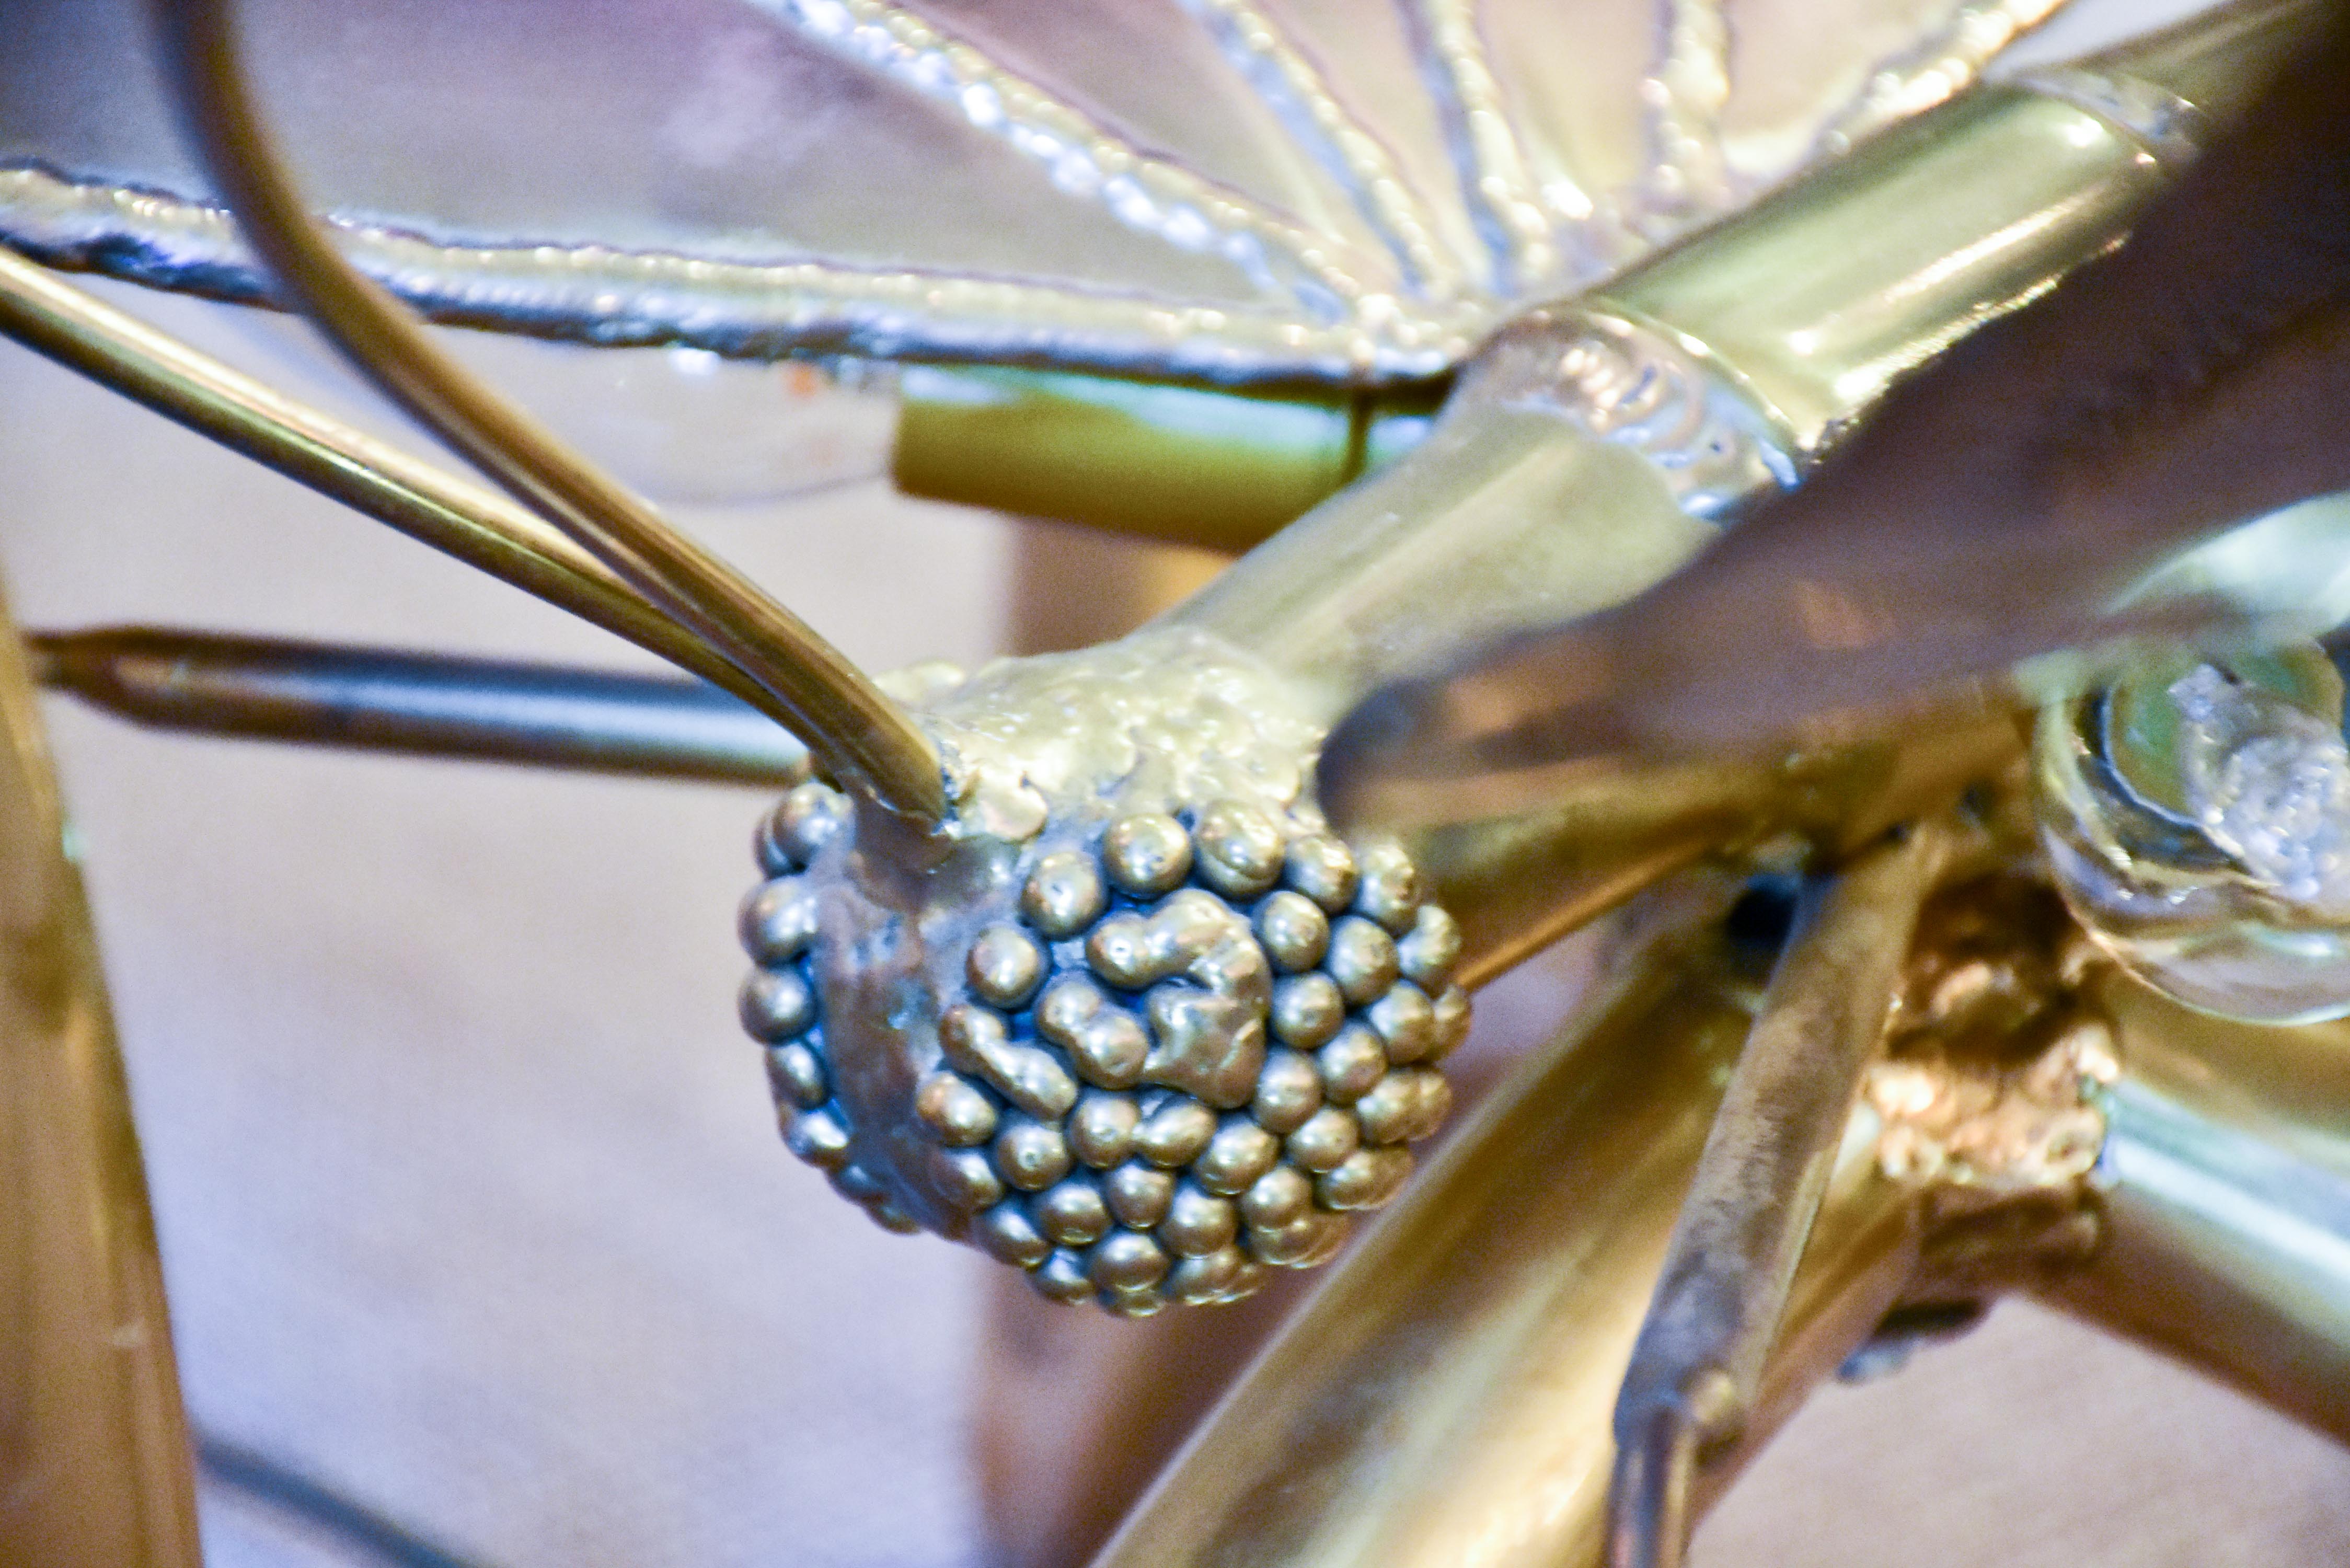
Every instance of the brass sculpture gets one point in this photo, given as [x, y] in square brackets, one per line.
[1063, 957]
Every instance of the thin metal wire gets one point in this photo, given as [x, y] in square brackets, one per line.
[863, 738]
[419, 704]
[352, 1524]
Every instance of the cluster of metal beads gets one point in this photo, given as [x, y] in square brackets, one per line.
[1194, 1048]
[779, 1000]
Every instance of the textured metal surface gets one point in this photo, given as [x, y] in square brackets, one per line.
[1590, 453]
[426, 1068]
[1200, 1031]
[1295, 189]
[1138, 1025]
[1446, 1392]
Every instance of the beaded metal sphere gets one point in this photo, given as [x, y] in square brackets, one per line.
[1142, 1055]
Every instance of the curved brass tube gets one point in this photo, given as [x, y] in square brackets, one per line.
[803, 680]
[2223, 1195]
[94, 1462]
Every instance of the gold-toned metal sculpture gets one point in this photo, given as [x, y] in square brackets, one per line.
[1065, 958]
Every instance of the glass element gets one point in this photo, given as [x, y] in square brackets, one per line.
[2197, 817]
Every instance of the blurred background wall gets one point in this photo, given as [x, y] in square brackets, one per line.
[471, 1201]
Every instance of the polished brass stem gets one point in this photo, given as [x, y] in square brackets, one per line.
[1445, 1396]
[1697, 1368]
[803, 680]
[2222, 1196]
[421, 704]
[1597, 448]
[1218, 469]
[477, 527]
[94, 1467]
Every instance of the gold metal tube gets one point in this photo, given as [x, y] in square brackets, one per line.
[2223, 1198]
[802, 680]
[1697, 1368]
[1445, 1397]
[94, 1458]
[1595, 449]
[1214, 468]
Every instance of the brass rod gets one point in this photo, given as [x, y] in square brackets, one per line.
[803, 680]
[2222, 1194]
[94, 1469]
[419, 704]
[1970, 539]
[1444, 1395]
[1697, 1367]
[453, 516]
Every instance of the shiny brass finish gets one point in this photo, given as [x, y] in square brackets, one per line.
[1591, 451]
[1445, 1396]
[1446, 1393]
[94, 1468]
[1212, 468]
[2223, 1198]
[1748, 348]
[1971, 209]
[802, 681]
[1697, 1365]
[1990, 510]
[1522, 882]
[419, 704]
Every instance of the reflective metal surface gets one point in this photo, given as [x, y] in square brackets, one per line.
[1995, 505]
[1134, 1019]
[1697, 1365]
[1293, 189]
[419, 704]
[475, 526]
[1445, 1394]
[94, 1464]
[2223, 1198]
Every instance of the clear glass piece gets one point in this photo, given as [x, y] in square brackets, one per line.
[2197, 817]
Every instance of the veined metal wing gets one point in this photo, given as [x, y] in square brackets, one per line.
[1241, 190]
[1992, 528]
